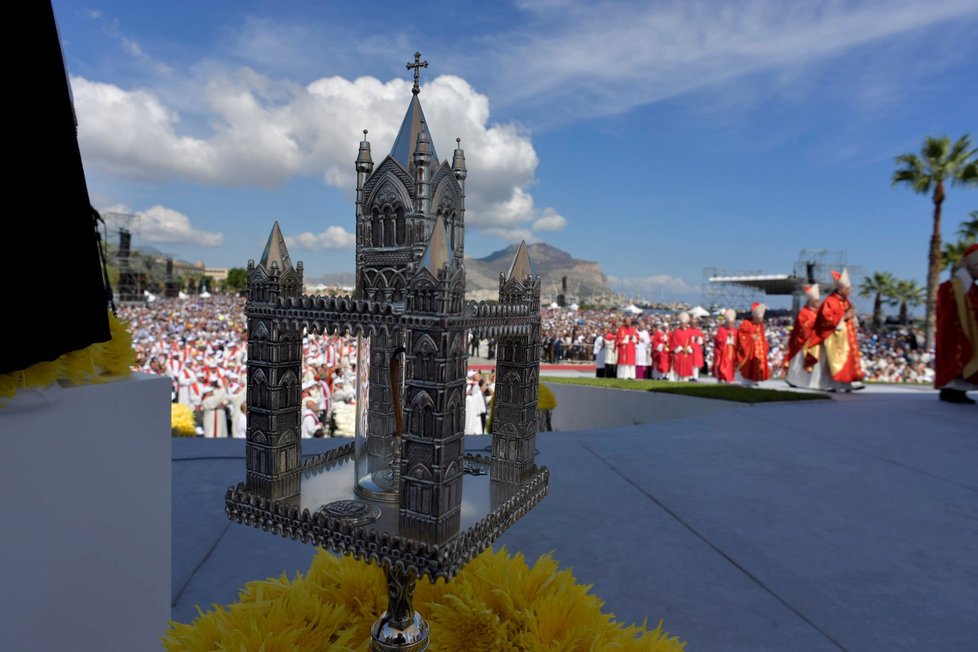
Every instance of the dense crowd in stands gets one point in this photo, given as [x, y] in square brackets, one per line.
[201, 344]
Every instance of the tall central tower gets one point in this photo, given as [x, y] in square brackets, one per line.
[410, 230]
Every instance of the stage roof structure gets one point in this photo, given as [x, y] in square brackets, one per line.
[772, 284]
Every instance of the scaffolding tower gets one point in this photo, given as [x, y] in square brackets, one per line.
[132, 283]
[723, 294]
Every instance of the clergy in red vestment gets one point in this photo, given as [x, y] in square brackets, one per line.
[681, 350]
[796, 373]
[833, 348]
[725, 349]
[660, 354]
[698, 339]
[752, 347]
[625, 340]
[956, 359]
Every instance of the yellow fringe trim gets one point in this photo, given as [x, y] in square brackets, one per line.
[96, 363]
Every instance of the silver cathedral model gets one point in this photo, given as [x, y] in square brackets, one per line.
[404, 494]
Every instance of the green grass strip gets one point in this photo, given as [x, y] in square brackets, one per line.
[737, 393]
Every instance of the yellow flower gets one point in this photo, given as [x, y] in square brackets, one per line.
[546, 400]
[497, 603]
[182, 420]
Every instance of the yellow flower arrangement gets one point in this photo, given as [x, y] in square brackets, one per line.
[546, 399]
[95, 363]
[182, 420]
[498, 603]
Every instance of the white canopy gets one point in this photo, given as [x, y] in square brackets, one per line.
[632, 308]
[205, 294]
[698, 311]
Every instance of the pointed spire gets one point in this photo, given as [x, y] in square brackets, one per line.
[276, 252]
[521, 267]
[438, 252]
[407, 138]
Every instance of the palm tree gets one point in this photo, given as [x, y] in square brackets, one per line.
[881, 284]
[939, 162]
[968, 231]
[907, 294]
[952, 253]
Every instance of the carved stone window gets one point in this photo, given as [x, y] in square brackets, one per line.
[376, 228]
[401, 228]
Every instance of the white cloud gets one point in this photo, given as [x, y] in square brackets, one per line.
[333, 238]
[133, 47]
[264, 131]
[159, 225]
[551, 221]
[584, 59]
[513, 235]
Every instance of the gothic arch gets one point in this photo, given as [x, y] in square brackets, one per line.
[389, 184]
[425, 345]
[422, 415]
[259, 332]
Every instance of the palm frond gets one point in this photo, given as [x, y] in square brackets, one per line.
[967, 175]
[968, 230]
[935, 151]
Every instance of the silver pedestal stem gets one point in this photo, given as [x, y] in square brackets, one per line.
[400, 628]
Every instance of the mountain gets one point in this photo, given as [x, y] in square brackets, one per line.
[584, 278]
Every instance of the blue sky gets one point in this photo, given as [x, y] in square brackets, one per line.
[657, 138]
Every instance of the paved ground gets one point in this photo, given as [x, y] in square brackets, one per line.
[848, 524]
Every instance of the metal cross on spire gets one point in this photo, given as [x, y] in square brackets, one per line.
[417, 65]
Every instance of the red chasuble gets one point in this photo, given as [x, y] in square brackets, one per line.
[725, 354]
[841, 346]
[957, 333]
[681, 352]
[800, 333]
[660, 358]
[698, 340]
[752, 351]
[625, 341]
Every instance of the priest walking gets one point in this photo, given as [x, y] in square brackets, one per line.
[625, 341]
[833, 348]
[681, 350]
[725, 348]
[752, 347]
[796, 373]
[956, 359]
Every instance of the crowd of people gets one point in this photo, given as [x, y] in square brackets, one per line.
[894, 355]
[201, 345]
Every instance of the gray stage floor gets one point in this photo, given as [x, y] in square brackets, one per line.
[824, 525]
